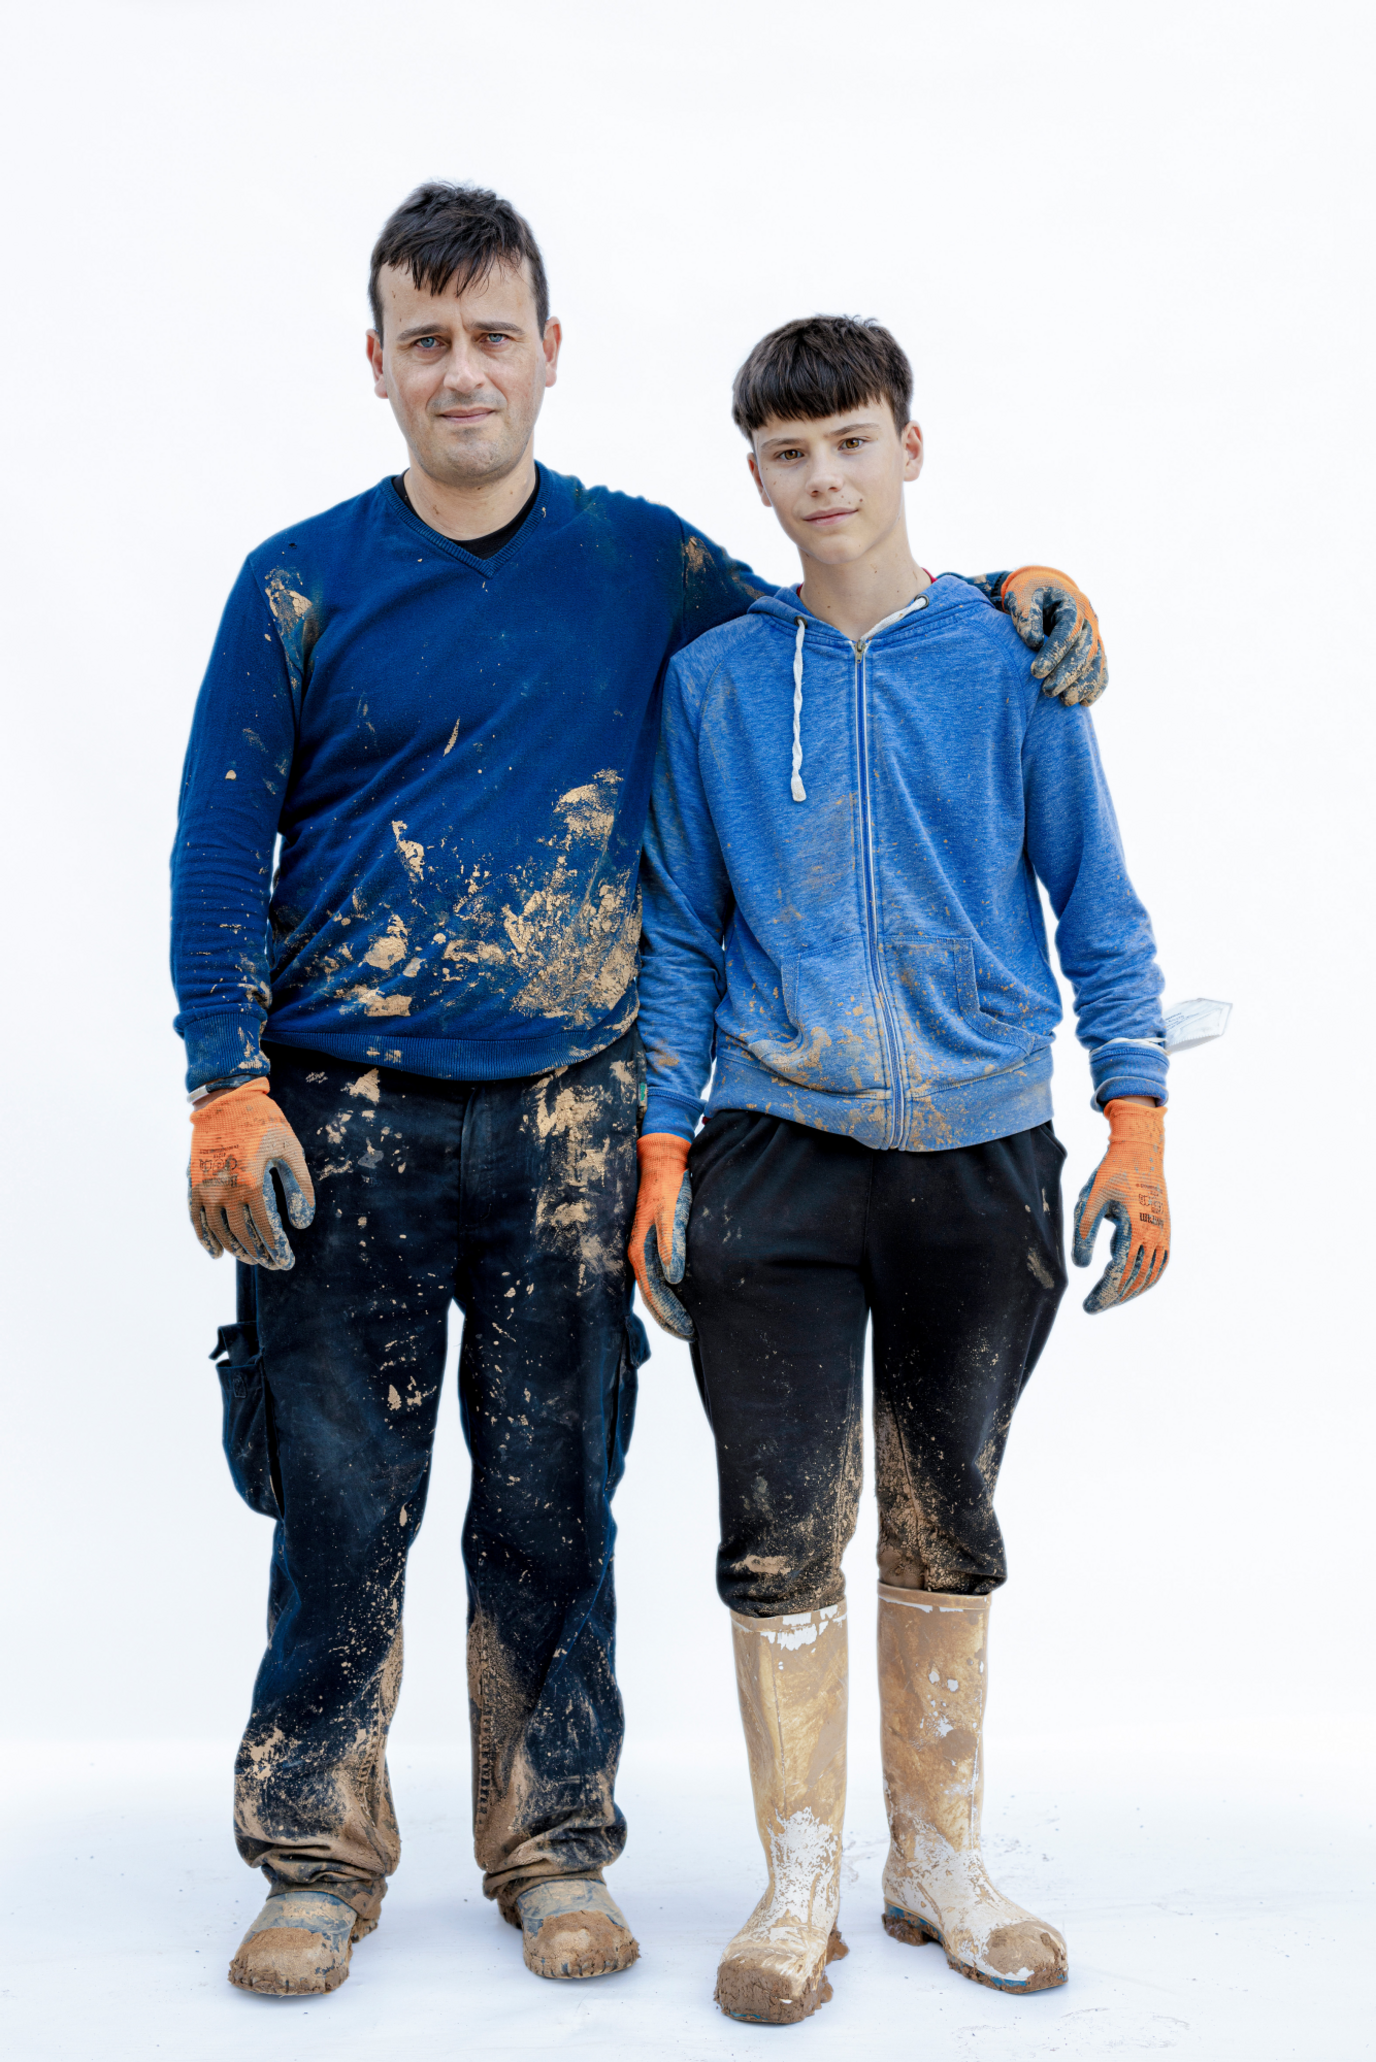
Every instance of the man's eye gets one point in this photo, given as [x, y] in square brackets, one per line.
[425, 343]
[496, 336]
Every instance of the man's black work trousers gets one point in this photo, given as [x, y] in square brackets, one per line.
[512, 1199]
[797, 1237]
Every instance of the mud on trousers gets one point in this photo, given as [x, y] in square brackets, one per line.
[512, 1199]
[799, 1238]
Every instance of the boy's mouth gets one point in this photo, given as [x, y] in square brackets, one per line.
[826, 516]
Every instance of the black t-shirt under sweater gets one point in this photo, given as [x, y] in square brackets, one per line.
[481, 547]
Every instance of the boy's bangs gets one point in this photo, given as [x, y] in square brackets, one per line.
[822, 365]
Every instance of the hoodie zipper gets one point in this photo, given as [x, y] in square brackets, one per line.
[898, 1122]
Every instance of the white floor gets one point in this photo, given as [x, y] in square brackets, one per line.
[1216, 1907]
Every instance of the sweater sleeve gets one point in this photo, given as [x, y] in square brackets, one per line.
[687, 905]
[233, 784]
[716, 587]
[1103, 934]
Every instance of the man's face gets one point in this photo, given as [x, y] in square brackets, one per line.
[836, 484]
[465, 373]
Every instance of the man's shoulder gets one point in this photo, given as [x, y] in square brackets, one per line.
[623, 514]
[324, 535]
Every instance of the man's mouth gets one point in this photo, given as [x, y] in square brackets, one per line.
[465, 414]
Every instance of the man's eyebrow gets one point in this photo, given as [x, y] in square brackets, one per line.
[420, 329]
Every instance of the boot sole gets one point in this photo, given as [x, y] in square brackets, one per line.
[361, 1928]
[741, 1984]
[906, 1926]
[604, 1963]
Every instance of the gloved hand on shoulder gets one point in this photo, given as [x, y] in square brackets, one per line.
[1128, 1187]
[1052, 617]
[239, 1140]
[659, 1232]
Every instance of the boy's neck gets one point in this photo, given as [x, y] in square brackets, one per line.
[854, 597]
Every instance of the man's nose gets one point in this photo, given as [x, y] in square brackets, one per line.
[464, 372]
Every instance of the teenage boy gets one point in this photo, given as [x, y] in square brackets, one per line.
[859, 785]
[443, 697]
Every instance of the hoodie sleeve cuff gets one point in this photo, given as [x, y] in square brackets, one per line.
[219, 1046]
[1129, 1070]
[676, 1114]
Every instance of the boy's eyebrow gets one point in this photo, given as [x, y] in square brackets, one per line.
[845, 429]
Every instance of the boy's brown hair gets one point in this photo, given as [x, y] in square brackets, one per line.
[821, 365]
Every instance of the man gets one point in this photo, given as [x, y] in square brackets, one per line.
[443, 698]
[858, 789]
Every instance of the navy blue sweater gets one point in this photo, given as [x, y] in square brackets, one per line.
[456, 753]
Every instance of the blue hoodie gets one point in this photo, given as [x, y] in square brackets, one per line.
[840, 883]
[456, 753]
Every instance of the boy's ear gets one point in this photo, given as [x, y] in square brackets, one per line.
[911, 439]
[755, 476]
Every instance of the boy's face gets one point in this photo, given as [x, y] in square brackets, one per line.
[836, 484]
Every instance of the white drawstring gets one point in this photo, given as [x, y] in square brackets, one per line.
[798, 790]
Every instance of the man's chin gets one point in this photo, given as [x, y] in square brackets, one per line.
[469, 458]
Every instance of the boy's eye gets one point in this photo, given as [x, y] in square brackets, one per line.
[851, 443]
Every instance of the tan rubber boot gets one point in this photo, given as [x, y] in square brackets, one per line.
[931, 1696]
[300, 1941]
[791, 1674]
[572, 1927]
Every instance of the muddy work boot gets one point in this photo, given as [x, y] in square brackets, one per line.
[300, 1941]
[792, 1679]
[931, 1697]
[571, 1927]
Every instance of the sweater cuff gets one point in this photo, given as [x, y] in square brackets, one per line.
[677, 1114]
[1129, 1070]
[219, 1046]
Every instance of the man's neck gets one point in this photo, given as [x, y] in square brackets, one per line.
[470, 511]
[854, 598]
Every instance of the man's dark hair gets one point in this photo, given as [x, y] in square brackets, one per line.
[448, 235]
[821, 365]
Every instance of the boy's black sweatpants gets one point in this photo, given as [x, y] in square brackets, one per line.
[796, 1238]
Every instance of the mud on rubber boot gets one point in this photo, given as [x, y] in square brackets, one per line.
[300, 1942]
[791, 1673]
[932, 1681]
[572, 1927]
[779, 1984]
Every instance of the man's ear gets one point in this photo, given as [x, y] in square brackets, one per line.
[373, 346]
[911, 440]
[755, 476]
[553, 338]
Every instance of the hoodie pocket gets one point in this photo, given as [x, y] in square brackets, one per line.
[833, 1042]
[945, 1034]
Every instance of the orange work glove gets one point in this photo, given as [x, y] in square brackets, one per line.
[659, 1233]
[238, 1142]
[1128, 1186]
[1050, 614]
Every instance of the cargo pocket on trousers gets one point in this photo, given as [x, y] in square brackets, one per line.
[621, 1419]
[248, 1439]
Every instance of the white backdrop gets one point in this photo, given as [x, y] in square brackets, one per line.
[1124, 248]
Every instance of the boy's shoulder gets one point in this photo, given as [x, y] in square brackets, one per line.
[754, 634]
